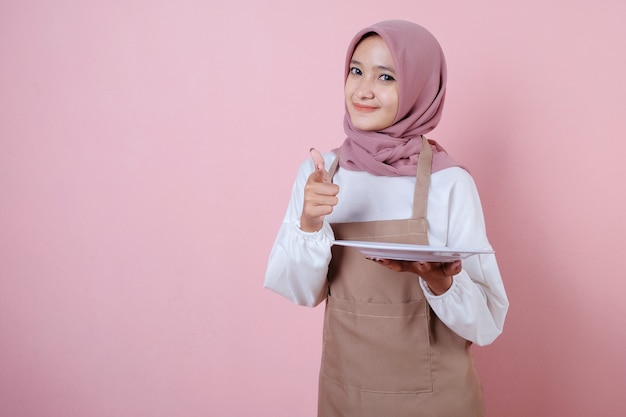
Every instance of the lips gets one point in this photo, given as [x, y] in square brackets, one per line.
[363, 107]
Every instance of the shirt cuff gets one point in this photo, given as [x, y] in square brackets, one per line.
[325, 233]
[429, 294]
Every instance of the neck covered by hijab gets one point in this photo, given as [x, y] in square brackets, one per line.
[421, 74]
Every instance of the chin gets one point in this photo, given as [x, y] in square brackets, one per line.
[367, 127]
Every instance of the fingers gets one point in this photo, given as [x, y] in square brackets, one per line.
[397, 266]
[422, 268]
[319, 190]
[318, 207]
[320, 195]
[439, 268]
[319, 201]
[321, 175]
[438, 275]
[451, 268]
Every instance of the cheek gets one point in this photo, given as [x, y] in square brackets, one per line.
[389, 101]
[392, 101]
[348, 90]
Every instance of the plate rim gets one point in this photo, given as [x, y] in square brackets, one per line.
[404, 247]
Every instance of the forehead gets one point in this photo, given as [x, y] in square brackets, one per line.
[373, 48]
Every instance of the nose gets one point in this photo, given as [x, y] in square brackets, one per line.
[364, 88]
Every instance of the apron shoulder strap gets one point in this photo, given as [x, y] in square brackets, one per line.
[333, 166]
[422, 180]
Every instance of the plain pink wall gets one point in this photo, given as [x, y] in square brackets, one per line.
[147, 151]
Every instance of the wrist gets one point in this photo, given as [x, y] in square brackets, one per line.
[310, 227]
[440, 286]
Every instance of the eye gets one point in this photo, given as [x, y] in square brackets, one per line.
[387, 77]
[355, 71]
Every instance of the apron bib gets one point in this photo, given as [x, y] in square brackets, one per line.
[385, 353]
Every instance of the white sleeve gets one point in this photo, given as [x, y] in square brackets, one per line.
[476, 304]
[298, 263]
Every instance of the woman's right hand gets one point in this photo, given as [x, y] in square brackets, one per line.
[320, 195]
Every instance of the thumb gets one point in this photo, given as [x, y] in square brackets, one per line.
[321, 175]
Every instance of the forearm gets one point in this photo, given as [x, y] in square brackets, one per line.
[298, 264]
[475, 305]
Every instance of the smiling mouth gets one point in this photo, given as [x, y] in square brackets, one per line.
[363, 108]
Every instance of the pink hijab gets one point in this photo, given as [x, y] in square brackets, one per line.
[421, 69]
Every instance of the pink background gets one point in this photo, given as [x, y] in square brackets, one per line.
[147, 152]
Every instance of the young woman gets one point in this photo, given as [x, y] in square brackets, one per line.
[397, 334]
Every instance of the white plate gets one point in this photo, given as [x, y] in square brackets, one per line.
[407, 252]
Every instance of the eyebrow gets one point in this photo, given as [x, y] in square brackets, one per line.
[381, 67]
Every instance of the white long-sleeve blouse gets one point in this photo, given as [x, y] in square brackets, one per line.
[476, 304]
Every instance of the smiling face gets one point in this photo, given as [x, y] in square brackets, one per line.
[371, 87]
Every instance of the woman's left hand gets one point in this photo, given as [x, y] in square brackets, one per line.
[438, 275]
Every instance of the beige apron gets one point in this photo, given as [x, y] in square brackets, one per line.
[385, 353]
